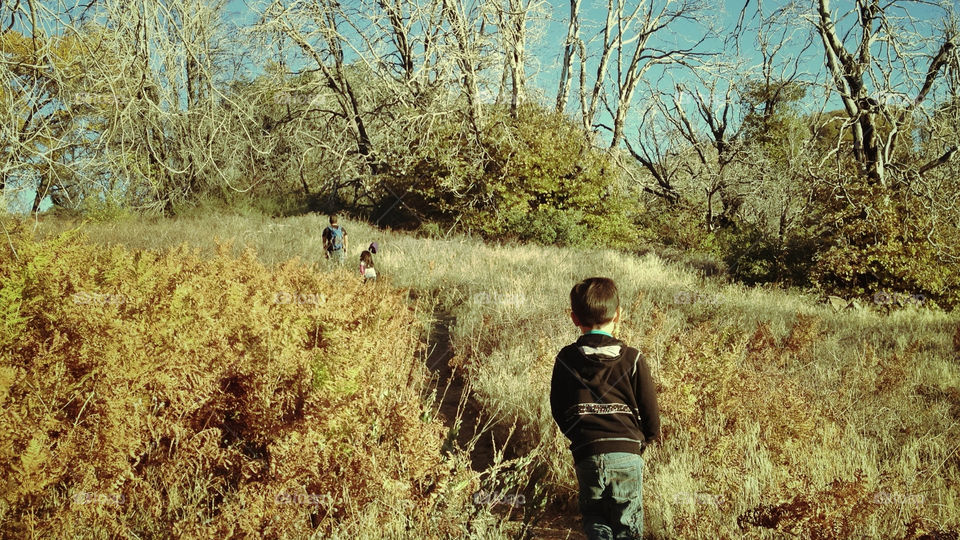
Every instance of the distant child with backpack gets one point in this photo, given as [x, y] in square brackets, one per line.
[367, 271]
[335, 240]
[603, 399]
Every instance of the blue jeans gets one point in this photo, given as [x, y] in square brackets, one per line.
[337, 255]
[611, 495]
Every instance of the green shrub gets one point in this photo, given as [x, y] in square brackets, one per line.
[532, 177]
[429, 230]
[886, 245]
[754, 257]
[548, 226]
[246, 204]
[679, 225]
[103, 209]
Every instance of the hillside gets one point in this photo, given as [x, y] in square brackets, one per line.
[780, 414]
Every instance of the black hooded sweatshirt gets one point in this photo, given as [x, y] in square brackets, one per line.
[603, 398]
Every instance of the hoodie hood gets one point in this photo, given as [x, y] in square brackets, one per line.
[599, 348]
[598, 353]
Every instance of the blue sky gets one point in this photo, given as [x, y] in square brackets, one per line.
[543, 73]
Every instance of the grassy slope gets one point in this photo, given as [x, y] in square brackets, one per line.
[779, 414]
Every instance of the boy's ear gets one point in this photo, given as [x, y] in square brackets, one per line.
[573, 317]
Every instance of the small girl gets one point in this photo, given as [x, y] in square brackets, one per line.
[367, 270]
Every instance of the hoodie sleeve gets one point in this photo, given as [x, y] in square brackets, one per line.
[646, 392]
[557, 391]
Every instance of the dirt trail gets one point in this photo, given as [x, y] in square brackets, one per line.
[453, 394]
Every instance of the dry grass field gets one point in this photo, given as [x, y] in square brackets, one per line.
[781, 416]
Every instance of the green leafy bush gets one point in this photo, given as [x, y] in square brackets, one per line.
[886, 243]
[531, 177]
[103, 208]
[754, 257]
[548, 226]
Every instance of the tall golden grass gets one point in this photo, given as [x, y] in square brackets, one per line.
[780, 415]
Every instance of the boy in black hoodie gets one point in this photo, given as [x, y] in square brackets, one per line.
[605, 402]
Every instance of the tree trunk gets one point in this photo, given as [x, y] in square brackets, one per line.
[613, 15]
[569, 49]
[466, 58]
[518, 28]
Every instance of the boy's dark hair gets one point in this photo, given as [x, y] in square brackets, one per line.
[366, 258]
[595, 301]
[333, 219]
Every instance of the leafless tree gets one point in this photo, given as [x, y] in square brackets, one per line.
[627, 39]
[572, 45]
[315, 28]
[44, 60]
[644, 55]
[883, 76]
[659, 150]
[126, 100]
[468, 35]
[702, 141]
[513, 19]
[777, 142]
[710, 144]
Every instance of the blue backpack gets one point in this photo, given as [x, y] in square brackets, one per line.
[334, 237]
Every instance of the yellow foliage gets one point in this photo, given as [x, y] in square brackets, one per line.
[159, 392]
